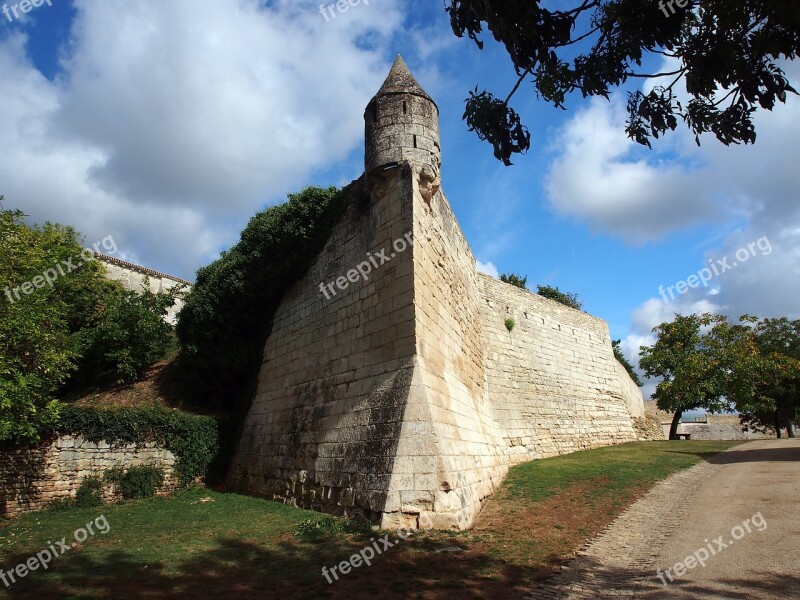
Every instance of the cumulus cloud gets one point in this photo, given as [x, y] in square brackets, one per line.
[488, 268]
[600, 176]
[172, 122]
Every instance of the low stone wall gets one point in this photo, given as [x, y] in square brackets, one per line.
[33, 477]
[722, 427]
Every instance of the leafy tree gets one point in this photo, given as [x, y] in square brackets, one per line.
[228, 314]
[775, 399]
[708, 362]
[514, 279]
[35, 355]
[687, 363]
[62, 321]
[725, 52]
[37, 351]
[618, 354]
[567, 298]
[129, 335]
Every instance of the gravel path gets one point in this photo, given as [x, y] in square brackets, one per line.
[687, 512]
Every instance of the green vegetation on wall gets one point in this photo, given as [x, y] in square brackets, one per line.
[515, 280]
[566, 298]
[140, 481]
[228, 315]
[194, 440]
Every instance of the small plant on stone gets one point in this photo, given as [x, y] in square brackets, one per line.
[328, 525]
[510, 323]
[137, 482]
[90, 492]
[325, 523]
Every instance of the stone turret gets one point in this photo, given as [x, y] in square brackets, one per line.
[396, 392]
[401, 124]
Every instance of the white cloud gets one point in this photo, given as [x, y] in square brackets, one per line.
[598, 176]
[174, 121]
[488, 268]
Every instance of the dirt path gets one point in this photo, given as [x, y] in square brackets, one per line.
[749, 495]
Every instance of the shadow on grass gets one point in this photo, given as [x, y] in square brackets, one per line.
[239, 569]
[593, 575]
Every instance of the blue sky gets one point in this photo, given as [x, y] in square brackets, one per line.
[168, 124]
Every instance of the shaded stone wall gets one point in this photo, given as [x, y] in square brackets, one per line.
[324, 427]
[33, 477]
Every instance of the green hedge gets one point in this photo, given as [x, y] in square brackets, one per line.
[227, 316]
[194, 440]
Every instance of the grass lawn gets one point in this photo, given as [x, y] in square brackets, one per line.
[205, 544]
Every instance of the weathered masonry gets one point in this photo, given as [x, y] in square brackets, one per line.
[405, 393]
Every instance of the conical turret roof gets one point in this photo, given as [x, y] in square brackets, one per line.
[401, 81]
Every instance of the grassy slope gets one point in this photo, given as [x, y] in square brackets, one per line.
[241, 547]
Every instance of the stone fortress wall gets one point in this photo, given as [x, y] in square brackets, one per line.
[325, 424]
[404, 398]
[553, 378]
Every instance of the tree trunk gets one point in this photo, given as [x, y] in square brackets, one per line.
[673, 429]
[789, 429]
[778, 424]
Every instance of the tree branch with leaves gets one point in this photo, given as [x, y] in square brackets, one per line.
[726, 52]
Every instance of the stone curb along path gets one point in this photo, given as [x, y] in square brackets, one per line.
[618, 562]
